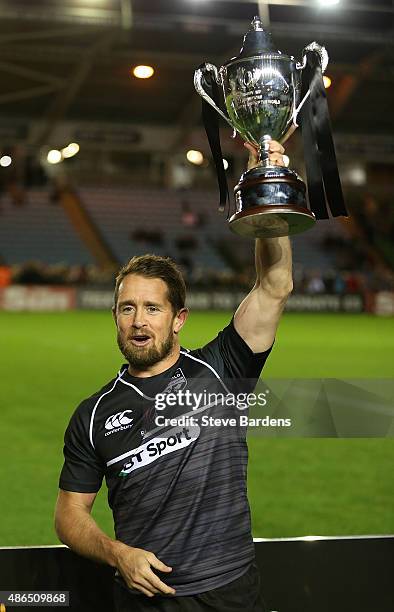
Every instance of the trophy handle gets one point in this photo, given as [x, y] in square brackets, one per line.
[198, 84]
[323, 55]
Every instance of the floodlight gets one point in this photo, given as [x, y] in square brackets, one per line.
[195, 157]
[71, 149]
[5, 161]
[54, 156]
[143, 72]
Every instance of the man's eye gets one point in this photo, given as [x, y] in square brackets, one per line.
[127, 309]
[152, 309]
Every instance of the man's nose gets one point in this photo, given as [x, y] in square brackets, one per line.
[138, 320]
[138, 323]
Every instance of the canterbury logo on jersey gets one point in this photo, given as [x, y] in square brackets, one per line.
[172, 440]
[118, 422]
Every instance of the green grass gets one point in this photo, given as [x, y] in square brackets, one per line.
[297, 487]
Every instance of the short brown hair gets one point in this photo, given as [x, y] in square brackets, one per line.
[155, 266]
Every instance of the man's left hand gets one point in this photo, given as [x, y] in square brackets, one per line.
[276, 152]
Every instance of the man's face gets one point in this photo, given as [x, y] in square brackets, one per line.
[145, 321]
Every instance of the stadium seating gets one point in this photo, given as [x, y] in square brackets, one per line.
[119, 212]
[39, 230]
[307, 248]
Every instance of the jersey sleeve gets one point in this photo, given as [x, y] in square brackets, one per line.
[231, 357]
[82, 470]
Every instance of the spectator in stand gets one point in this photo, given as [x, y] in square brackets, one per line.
[352, 283]
[188, 216]
[339, 284]
[5, 275]
[315, 283]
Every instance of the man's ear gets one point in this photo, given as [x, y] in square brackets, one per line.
[180, 320]
[113, 309]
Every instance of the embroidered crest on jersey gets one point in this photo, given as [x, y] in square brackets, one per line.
[177, 383]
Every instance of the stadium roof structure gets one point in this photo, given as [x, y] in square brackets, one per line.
[70, 59]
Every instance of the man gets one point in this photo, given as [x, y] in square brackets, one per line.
[178, 493]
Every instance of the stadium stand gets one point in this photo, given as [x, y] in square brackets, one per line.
[121, 212]
[39, 230]
[184, 225]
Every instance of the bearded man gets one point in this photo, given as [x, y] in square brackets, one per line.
[177, 492]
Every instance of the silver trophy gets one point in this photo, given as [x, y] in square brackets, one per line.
[262, 96]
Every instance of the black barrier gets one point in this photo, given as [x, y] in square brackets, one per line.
[327, 575]
[298, 575]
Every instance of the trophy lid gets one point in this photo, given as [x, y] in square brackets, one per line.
[257, 40]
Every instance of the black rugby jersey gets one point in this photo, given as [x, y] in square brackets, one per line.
[178, 490]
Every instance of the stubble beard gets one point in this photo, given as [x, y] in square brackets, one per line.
[141, 358]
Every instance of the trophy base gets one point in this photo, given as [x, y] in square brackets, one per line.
[271, 202]
[272, 221]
